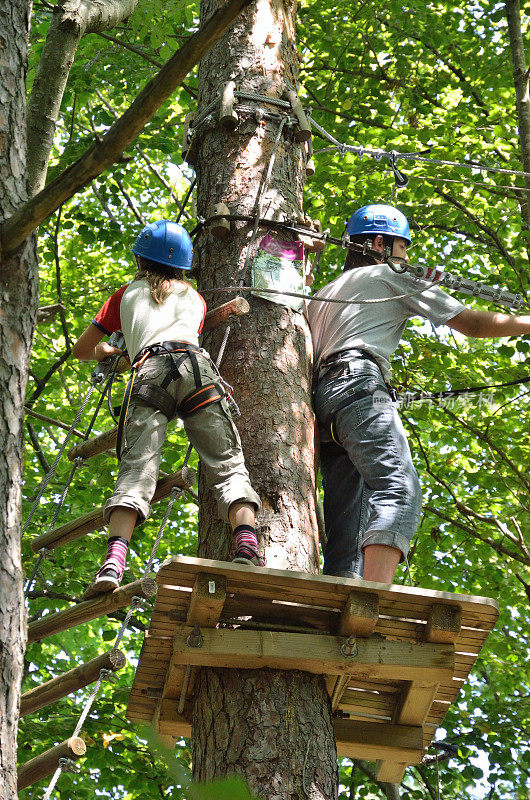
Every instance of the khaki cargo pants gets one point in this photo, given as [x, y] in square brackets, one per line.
[211, 431]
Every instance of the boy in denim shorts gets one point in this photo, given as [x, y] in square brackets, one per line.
[161, 317]
[372, 495]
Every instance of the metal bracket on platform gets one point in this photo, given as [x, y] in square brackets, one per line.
[195, 639]
[349, 647]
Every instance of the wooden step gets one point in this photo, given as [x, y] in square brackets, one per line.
[91, 609]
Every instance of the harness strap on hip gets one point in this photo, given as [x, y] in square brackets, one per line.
[157, 396]
[200, 398]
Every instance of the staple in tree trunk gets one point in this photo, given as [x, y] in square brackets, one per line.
[18, 290]
[272, 727]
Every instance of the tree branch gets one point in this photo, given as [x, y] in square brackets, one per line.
[71, 20]
[105, 153]
[127, 46]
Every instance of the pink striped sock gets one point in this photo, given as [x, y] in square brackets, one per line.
[116, 557]
[246, 542]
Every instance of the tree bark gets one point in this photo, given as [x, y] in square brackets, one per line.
[19, 302]
[71, 20]
[272, 727]
[522, 96]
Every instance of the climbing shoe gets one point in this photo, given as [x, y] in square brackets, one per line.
[107, 579]
[251, 558]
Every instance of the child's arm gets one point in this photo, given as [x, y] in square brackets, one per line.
[89, 346]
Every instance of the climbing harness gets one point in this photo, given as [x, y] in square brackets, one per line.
[157, 396]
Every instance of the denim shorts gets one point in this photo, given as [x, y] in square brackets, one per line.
[372, 493]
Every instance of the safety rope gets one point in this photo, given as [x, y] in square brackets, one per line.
[315, 298]
[438, 276]
[136, 603]
[393, 155]
[50, 474]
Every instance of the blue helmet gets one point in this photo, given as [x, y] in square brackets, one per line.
[374, 219]
[166, 243]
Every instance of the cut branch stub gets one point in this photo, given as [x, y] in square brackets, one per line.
[310, 168]
[220, 228]
[303, 132]
[227, 116]
[47, 762]
[70, 681]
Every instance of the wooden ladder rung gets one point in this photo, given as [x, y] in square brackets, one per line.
[44, 764]
[91, 609]
[70, 681]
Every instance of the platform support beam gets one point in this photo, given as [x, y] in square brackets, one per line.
[443, 627]
[375, 658]
[206, 604]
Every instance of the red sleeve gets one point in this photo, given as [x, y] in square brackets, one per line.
[108, 317]
[203, 313]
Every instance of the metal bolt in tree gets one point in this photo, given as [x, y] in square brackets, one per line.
[270, 726]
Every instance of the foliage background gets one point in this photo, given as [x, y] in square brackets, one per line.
[397, 77]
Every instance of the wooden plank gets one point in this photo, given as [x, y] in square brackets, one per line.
[94, 519]
[318, 587]
[443, 627]
[388, 771]
[248, 649]
[205, 606]
[370, 740]
[91, 609]
[70, 681]
[170, 722]
[359, 615]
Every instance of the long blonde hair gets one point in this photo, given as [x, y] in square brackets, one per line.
[160, 285]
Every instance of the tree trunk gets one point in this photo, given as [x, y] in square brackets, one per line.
[522, 96]
[18, 281]
[272, 727]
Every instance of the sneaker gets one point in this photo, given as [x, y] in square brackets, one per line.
[107, 579]
[251, 560]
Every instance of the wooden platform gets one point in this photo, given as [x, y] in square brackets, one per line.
[394, 658]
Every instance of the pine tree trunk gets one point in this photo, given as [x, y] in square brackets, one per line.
[18, 285]
[272, 727]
